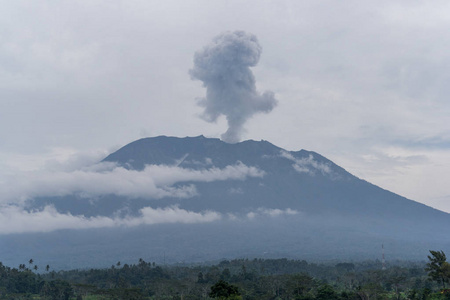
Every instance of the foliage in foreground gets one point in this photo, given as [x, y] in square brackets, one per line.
[265, 279]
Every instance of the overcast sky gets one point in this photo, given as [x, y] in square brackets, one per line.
[366, 84]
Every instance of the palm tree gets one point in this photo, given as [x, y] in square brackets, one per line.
[436, 267]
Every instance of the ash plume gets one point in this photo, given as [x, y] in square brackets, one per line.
[224, 68]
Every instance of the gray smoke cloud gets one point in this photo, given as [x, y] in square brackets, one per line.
[224, 68]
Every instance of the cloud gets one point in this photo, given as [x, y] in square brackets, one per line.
[155, 181]
[55, 159]
[307, 164]
[277, 212]
[271, 212]
[207, 162]
[235, 191]
[14, 219]
[224, 68]
[406, 171]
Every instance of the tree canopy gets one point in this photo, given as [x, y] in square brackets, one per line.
[222, 290]
[438, 268]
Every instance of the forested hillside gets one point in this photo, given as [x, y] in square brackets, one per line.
[235, 279]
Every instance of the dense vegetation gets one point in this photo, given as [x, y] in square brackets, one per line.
[236, 279]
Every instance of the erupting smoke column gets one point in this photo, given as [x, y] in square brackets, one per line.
[224, 67]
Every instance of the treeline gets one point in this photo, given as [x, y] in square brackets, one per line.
[271, 279]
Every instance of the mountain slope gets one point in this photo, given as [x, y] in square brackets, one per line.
[302, 180]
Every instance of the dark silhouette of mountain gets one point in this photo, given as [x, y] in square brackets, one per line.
[302, 180]
[298, 205]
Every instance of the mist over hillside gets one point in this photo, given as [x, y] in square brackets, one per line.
[196, 199]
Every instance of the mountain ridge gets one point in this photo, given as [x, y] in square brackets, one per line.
[175, 148]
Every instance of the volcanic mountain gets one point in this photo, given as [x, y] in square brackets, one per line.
[259, 201]
[302, 180]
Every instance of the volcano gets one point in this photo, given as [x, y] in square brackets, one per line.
[268, 202]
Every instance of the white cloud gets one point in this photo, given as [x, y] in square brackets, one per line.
[232, 217]
[307, 164]
[271, 212]
[58, 159]
[418, 174]
[14, 219]
[275, 212]
[155, 181]
[251, 215]
[169, 175]
[207, 162]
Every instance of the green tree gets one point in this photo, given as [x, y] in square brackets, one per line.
[345, 267]
[200, 278]
[57, 290]
[299, 284]
[437, 268]
[371, 291]
[326, 292]
[225, 274]
[223, 290]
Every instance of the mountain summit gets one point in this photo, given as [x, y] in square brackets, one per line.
[281, 179]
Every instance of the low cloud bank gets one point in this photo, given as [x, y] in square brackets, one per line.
[14, 219]
[155, 181]
[61, 177]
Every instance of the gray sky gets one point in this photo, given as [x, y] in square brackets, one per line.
[363, 83]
